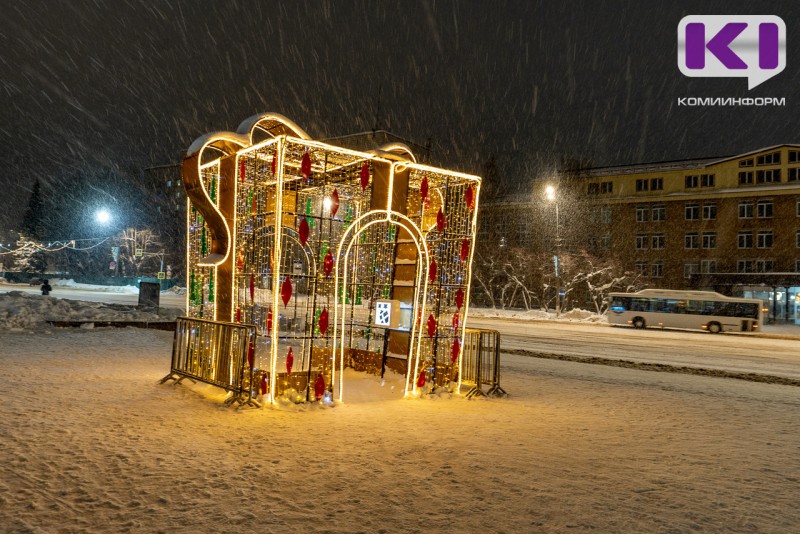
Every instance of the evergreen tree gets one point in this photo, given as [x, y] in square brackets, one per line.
[33, 222]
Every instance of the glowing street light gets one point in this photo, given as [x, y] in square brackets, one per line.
[103, 216]
[550, 195]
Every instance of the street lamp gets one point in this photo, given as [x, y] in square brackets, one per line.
[103, 216]
[550, 195]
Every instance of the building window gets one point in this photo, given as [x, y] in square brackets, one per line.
[709, 211]
[606, 187]
[657, 269]
[641, 268]
[690, 268]
[797, 208]
[746, 209]
[794, 174]
[594, 189]
[769, 176]
[657, 184]
[746, 162]
[764, 239]
[797, 239]
[708, 266]
[745, 177]
[692, 212]
[709, 240]
[641, 184]
[764, 209]
[797, 266]
[691, 240]
[642, 213]
[641, 241]
[765, 266]
[773, 158]
[745, 239]
[659, 213]
[605, 242]
[744, 266]
[657, 242]
[605, 215]
[794, 156]
[691, 182]
[706, 180]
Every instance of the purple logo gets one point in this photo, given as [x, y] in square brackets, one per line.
[732, 46]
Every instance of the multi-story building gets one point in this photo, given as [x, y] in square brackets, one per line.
[730, 223]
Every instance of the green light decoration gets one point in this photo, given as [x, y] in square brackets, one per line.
[323, 251]
[358, 294]
[211, 287]
[203, 243]
[193, 290]
[310, 219]
[214, 190]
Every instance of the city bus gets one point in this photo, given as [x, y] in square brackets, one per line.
[693, 310]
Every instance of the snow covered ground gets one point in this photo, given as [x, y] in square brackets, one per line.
[91, 442]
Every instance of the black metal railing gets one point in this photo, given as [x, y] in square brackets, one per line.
[216, 353]
[480, 362]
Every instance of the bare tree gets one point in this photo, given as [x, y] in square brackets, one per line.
[138, 249]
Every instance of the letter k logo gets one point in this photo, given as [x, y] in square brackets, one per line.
[719, 45]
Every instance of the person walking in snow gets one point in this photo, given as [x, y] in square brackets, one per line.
[46, 288]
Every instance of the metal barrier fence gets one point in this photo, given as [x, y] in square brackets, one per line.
[217, 353]
[480, 363]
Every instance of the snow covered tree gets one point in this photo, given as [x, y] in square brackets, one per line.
[29, 257]
[138, 249]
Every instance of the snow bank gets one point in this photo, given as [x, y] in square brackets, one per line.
[24, 311]
[91, 287]
[572, 316]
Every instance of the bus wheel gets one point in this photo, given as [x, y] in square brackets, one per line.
[714, 328]
[638, 322]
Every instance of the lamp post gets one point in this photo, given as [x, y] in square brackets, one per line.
[103, 217]
[550, 194]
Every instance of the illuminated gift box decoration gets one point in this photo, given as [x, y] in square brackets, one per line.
[303, 239]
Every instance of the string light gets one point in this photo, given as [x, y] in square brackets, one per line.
[283, 230]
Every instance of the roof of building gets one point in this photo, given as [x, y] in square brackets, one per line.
[676, 165]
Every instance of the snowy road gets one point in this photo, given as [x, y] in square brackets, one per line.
[167, 300]
[733, 353]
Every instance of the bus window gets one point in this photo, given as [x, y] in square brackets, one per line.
[639, 304]
[694, 306]
[620, 303]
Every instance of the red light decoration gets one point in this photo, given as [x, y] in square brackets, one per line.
[252, 288]
[305, 165]
[455, 351]
[251, 353]
[289, 362]
[327, 264]
[365, 176]
[269, 320]
[254, 207]
[238, 315]
[240, 262]
[274, 166]
[323, 321]
[469, 197]
[303, 231]
[423, 188]
[459, 298]
[440, 220]
[431, 326]
[264, 384]
[464, 249]
[334, 203]
[432, 271]
[241, 170]
[455, 321]
[421, 379]
[319, 386]
[286, 291]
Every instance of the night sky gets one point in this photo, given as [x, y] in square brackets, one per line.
[120, 86]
